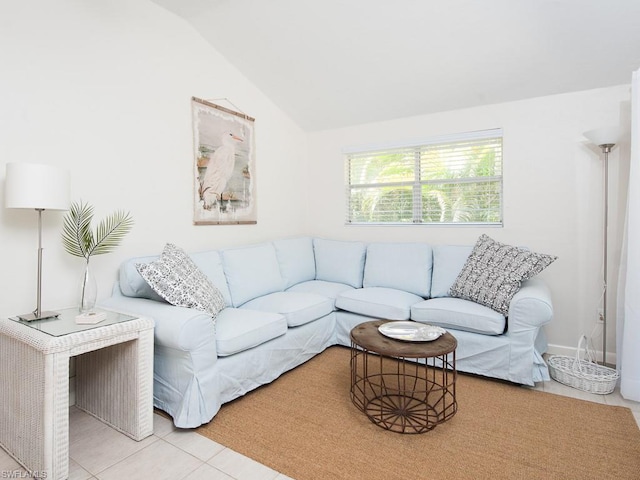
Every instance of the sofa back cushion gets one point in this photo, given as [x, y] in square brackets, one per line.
[297, 263]
[210, 263]
[177, 279]
[251, 272]
[133, 285]
[402, 266]
[339, 261]
[448, 261]
[131, 282]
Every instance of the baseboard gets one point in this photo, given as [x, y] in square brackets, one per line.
[571, 352]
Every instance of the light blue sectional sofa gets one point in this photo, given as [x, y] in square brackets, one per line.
[290, 299]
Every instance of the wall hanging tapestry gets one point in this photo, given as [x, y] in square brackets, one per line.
[224, 173]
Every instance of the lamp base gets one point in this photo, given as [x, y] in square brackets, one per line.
[30, 317]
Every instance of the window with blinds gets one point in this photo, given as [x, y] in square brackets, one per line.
[452, 180]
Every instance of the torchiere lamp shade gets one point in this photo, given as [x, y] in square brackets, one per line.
[604, 136]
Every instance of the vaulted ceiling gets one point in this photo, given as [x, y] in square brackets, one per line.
[332, 63]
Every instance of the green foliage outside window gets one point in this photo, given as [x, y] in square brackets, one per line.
[453, 182]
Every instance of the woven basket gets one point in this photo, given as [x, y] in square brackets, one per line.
[583, 374]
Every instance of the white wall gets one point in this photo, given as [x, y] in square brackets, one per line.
[553, 197]
[103, 89]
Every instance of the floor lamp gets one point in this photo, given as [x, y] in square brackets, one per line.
[39, 187]
[606, 139]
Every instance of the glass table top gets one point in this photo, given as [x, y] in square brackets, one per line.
[65, 323]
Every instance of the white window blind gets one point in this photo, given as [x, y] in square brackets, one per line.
[449, 180]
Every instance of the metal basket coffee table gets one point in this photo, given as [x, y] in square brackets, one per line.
[405, 387]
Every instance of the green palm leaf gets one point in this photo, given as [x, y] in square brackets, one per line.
[111, 231]
[78, 238]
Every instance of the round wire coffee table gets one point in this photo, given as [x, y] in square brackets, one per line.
[405, 387]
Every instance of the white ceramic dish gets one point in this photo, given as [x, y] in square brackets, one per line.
[411, 331]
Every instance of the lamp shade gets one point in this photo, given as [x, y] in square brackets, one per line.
[36, 186]
[604, 136]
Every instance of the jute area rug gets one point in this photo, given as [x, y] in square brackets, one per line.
[305, 426]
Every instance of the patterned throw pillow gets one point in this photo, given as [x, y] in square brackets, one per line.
[494, 272]
[180, 282]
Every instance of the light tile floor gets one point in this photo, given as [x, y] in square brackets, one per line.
[99, 452]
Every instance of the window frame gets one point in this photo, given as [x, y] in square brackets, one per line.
[417, 183]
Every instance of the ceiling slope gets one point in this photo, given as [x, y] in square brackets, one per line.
[333, 63]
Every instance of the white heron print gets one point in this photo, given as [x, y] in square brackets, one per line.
[224, 165]
[219, 170]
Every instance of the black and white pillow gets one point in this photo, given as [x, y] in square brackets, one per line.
[494, 272]
[180, 282]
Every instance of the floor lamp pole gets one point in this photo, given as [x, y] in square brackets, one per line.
[605, 138]
[606, 148]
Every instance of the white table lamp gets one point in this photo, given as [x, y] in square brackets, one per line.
[38, 187]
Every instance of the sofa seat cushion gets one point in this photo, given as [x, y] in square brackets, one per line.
[320, 287]
[459, 314]
[239, 329]
[297, 308]
[378, 302]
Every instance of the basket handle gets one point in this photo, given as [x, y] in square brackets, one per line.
[588, 355]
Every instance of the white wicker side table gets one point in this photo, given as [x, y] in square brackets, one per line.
[114, 384]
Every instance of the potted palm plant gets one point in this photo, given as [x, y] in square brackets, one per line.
[80, 240]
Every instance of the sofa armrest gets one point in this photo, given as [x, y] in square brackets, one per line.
[179, 328]
[531, 307]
